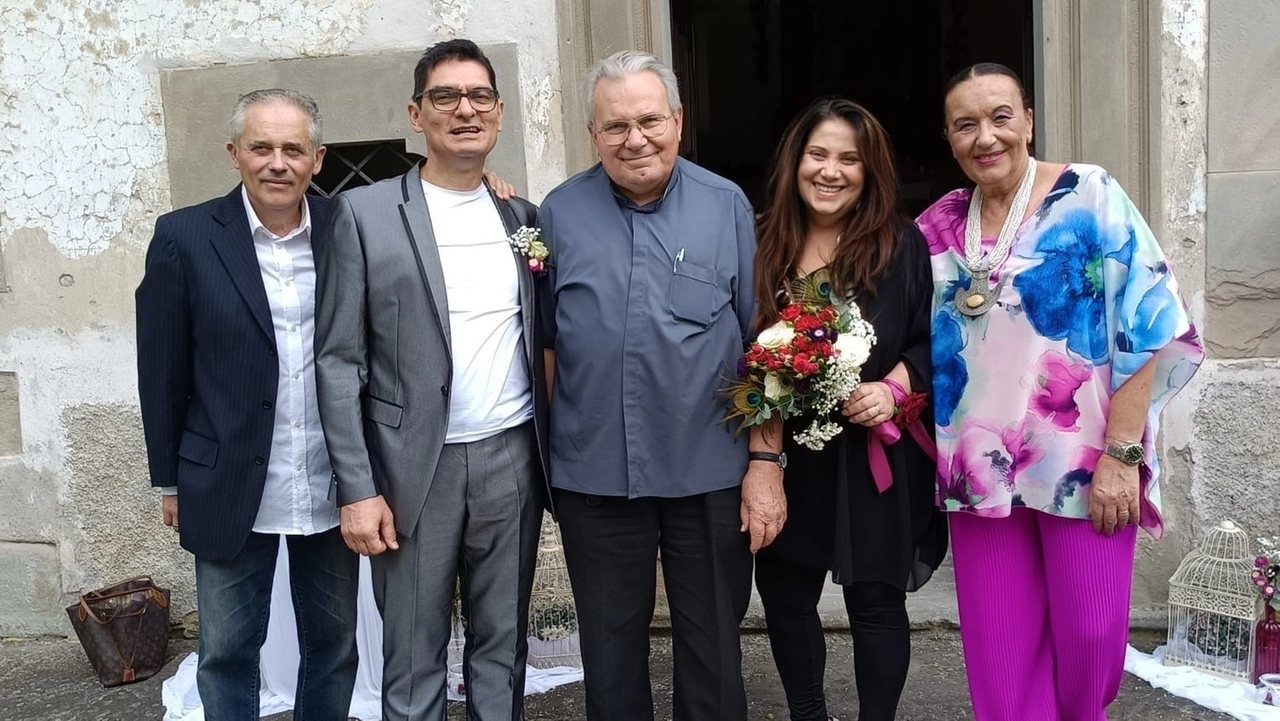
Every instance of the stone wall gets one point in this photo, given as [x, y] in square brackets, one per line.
[1237, 448]
[85, 173]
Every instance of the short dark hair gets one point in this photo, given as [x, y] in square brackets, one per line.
[458, 49]
[980, 69]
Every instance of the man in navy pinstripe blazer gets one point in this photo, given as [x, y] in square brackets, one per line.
[226, 379]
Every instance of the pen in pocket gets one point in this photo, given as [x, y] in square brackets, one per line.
[678, 260]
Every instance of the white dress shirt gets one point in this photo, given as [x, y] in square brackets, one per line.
[295, 497]
[491, 391]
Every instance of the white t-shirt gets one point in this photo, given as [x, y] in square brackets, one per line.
[491, 391]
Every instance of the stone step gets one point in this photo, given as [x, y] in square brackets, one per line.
[933, 606]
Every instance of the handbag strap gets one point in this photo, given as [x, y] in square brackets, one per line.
[128, 674]
[122, 588]
[152, 592]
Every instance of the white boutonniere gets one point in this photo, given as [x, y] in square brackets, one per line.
[528, 242]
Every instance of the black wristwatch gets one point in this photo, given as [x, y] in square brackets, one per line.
[778, 458]
[1128, 453]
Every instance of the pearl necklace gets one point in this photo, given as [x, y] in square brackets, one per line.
[982, 296]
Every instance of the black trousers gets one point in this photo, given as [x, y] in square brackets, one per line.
[611, 547]
[881, 639]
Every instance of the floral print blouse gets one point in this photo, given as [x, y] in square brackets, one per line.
[1022, 392]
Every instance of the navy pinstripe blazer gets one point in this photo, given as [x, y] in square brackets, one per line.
[207, 369]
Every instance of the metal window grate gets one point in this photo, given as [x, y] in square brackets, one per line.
[351, 165]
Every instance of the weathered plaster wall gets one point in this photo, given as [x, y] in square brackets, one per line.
[1220, 162]
[84, 175]
[1244, 179]
[1181, 228]
[1237, 449]
[82, 179]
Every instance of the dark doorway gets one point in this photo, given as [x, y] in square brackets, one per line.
[747, 66]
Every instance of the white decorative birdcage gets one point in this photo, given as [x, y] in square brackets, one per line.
[1213, 606]
[553, 620]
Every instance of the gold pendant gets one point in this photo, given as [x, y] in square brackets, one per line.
[981, 296]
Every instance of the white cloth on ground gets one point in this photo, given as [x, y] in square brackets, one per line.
[279, 663]
[1238, 699]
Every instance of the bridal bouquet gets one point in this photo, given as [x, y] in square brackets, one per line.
[807, 362]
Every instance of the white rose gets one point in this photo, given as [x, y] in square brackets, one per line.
[853, 348]
[774, 388]
[776, 335]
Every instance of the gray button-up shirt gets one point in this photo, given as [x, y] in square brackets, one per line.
[647, 309]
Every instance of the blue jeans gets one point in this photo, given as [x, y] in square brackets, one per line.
[234, 598]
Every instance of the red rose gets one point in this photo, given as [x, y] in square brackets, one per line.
[791, 312]
[803, 366]
[910, 410]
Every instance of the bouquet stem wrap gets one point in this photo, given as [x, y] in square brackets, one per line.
[888, 433]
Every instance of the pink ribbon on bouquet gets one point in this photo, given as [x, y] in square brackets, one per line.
[886, 433]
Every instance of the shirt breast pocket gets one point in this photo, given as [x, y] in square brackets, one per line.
[695, 297]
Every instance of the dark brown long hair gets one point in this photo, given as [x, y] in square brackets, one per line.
[870, 230]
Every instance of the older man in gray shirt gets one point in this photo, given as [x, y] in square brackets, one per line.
[649, 301]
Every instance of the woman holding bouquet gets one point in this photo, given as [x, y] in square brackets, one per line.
[833, 209]
[1058, 337]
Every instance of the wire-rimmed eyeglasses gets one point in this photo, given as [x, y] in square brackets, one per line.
[616, 132]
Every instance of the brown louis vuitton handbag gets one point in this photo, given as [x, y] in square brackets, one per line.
[124, 629]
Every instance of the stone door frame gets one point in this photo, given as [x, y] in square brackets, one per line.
[1097, 65]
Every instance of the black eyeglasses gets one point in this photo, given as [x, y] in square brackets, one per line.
[448, 99]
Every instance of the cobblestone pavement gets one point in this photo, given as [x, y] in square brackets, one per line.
[51, 681]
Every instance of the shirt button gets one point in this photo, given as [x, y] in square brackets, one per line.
[272, 352]
[444, 391]
[259, 460]
[288, 281]
[266, 405]
[294, 328]
[297, 376]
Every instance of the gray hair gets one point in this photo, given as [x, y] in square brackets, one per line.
[624, 64]
[270, 95]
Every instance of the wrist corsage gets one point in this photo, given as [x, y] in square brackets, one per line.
[906, 416]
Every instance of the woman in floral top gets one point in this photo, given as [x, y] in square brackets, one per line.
[1058, 337]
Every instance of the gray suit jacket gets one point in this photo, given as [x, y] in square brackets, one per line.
[383, 361]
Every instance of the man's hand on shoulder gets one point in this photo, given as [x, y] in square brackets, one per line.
[764, 504]
[368, 527]
[500, 187]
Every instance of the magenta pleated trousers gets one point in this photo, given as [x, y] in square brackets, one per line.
[1044, 614]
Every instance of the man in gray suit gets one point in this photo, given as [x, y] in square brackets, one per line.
[433, 398]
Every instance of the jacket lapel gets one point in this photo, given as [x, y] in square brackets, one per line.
[233, 243]
[422, 240]
[319, 220]
[512, 224]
